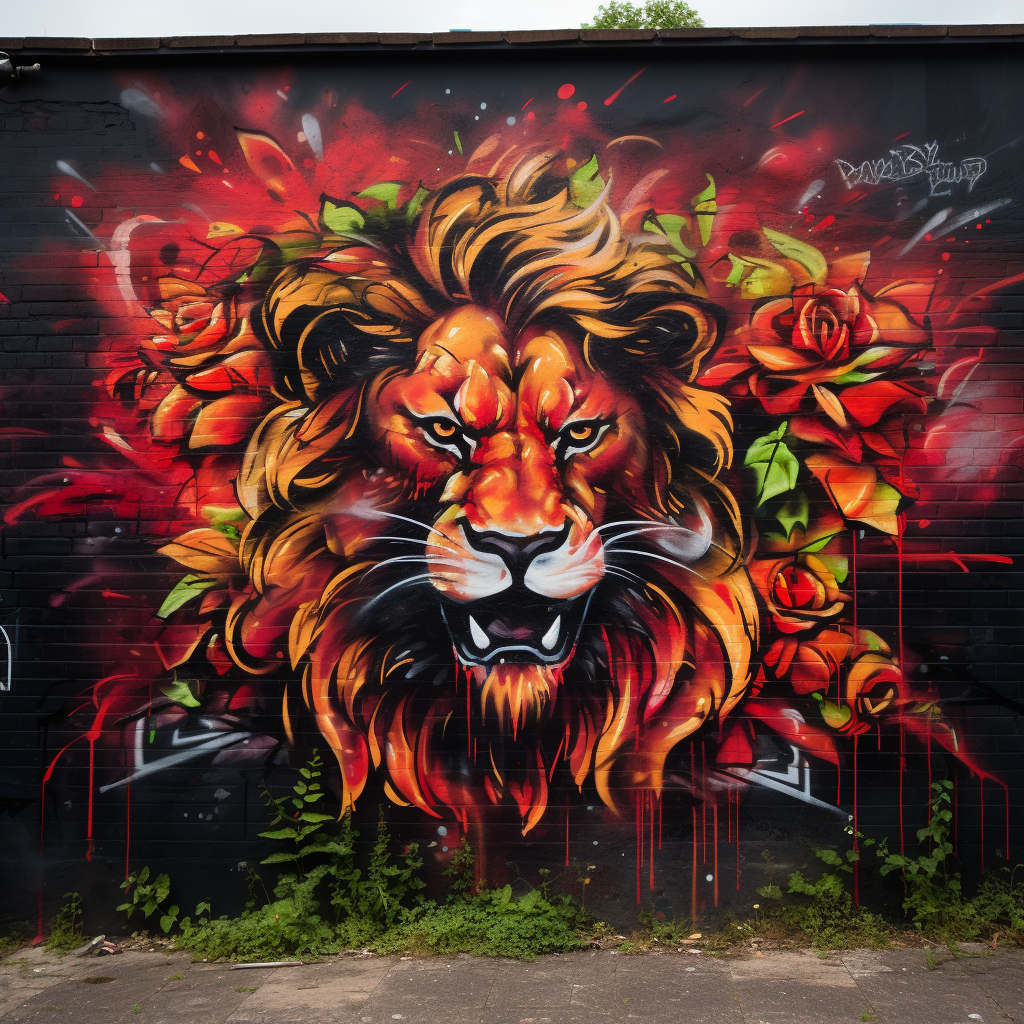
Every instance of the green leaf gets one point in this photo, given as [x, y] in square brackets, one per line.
[774, 465]
[736, 273]
[280, 858]
[281, 833]
[809, 549]
[586, 184]
[217, 514]
[168, 919]
[800, 252]
[670, 225]
[796, 510]
[185, 589]
[413, 206]
[829, 857]
[305, 773]
[835, 715]
[705, 208]
[838, 565]
[202, 908]
[340, 217]
[316, 816]
[854, 377]
[181, 692]
[458, 142]
[384, 191]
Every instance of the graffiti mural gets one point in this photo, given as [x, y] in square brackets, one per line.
[564, 454]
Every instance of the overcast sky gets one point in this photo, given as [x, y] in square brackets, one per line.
[235, 17]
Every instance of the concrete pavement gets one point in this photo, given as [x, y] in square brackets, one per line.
[888, 987]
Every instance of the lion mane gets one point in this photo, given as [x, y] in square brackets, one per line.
[667, 641]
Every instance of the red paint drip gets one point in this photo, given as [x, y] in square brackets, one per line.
[728, 815]
[903, 136]
[824, 223]
[715, 812]
[785, 119]
[737, 840]
[756, 94]
[650, 847]
[638, 815]
[615, 95]
[661, 808]
[853, 579]
[856, 864]
[527, 103]
[900, 526]
[399, 89]
[127, 828]
[693, 872]
[469, 717]
[669, 99]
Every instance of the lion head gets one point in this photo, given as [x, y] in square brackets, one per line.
[486, 524]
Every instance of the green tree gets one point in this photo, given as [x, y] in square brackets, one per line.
[654, 14]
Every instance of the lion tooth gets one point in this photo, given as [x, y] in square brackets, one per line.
[550, 638]
[480, 638]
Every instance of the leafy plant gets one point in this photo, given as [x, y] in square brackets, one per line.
[148, 896]
[66, 925]
[829, 917]
[654, 14]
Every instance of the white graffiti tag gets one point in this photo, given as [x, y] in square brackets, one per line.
[910, 161]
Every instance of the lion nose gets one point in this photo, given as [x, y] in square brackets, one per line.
[515, 550]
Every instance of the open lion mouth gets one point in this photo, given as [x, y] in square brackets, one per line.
[516, 627]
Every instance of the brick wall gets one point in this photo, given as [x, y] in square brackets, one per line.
[852, 636]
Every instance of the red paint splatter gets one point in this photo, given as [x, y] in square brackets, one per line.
[56, 197]
[582, 105]
[76, 201]
[786, 119]
[187, 161]
[566, 91]
[669, 99]
[756, 94]
[615, 95]
[212, 154]
[3, 298]
[531, 116]
[399, 89]
[527, 103]
[824, 223]
[903, 136]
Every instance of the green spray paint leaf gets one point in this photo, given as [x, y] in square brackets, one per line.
[184, 590]
[838, 565]
[586, 184]
[385, 191]
[670, 225]
[181, 692]
[835, 715]
[340, 217]
[800, 252]
[458, 142]
[705, 207]
[774, 465]
[818, 544]
[413, 206]
[217, 514]
[796, 509]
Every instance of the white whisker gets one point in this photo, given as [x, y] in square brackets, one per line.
[660, 558]
[402, 583]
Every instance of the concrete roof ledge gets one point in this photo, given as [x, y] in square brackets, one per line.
[617, 35]
[568, 37]
[465, 38]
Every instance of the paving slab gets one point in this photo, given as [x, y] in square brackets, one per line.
[589, 987]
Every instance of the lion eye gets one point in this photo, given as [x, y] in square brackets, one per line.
[579, 437]
[447, 435]
[443, 429]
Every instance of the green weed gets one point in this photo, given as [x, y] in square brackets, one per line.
[66, 925]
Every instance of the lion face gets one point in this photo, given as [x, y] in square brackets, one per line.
[523, 441]
[486, 528]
